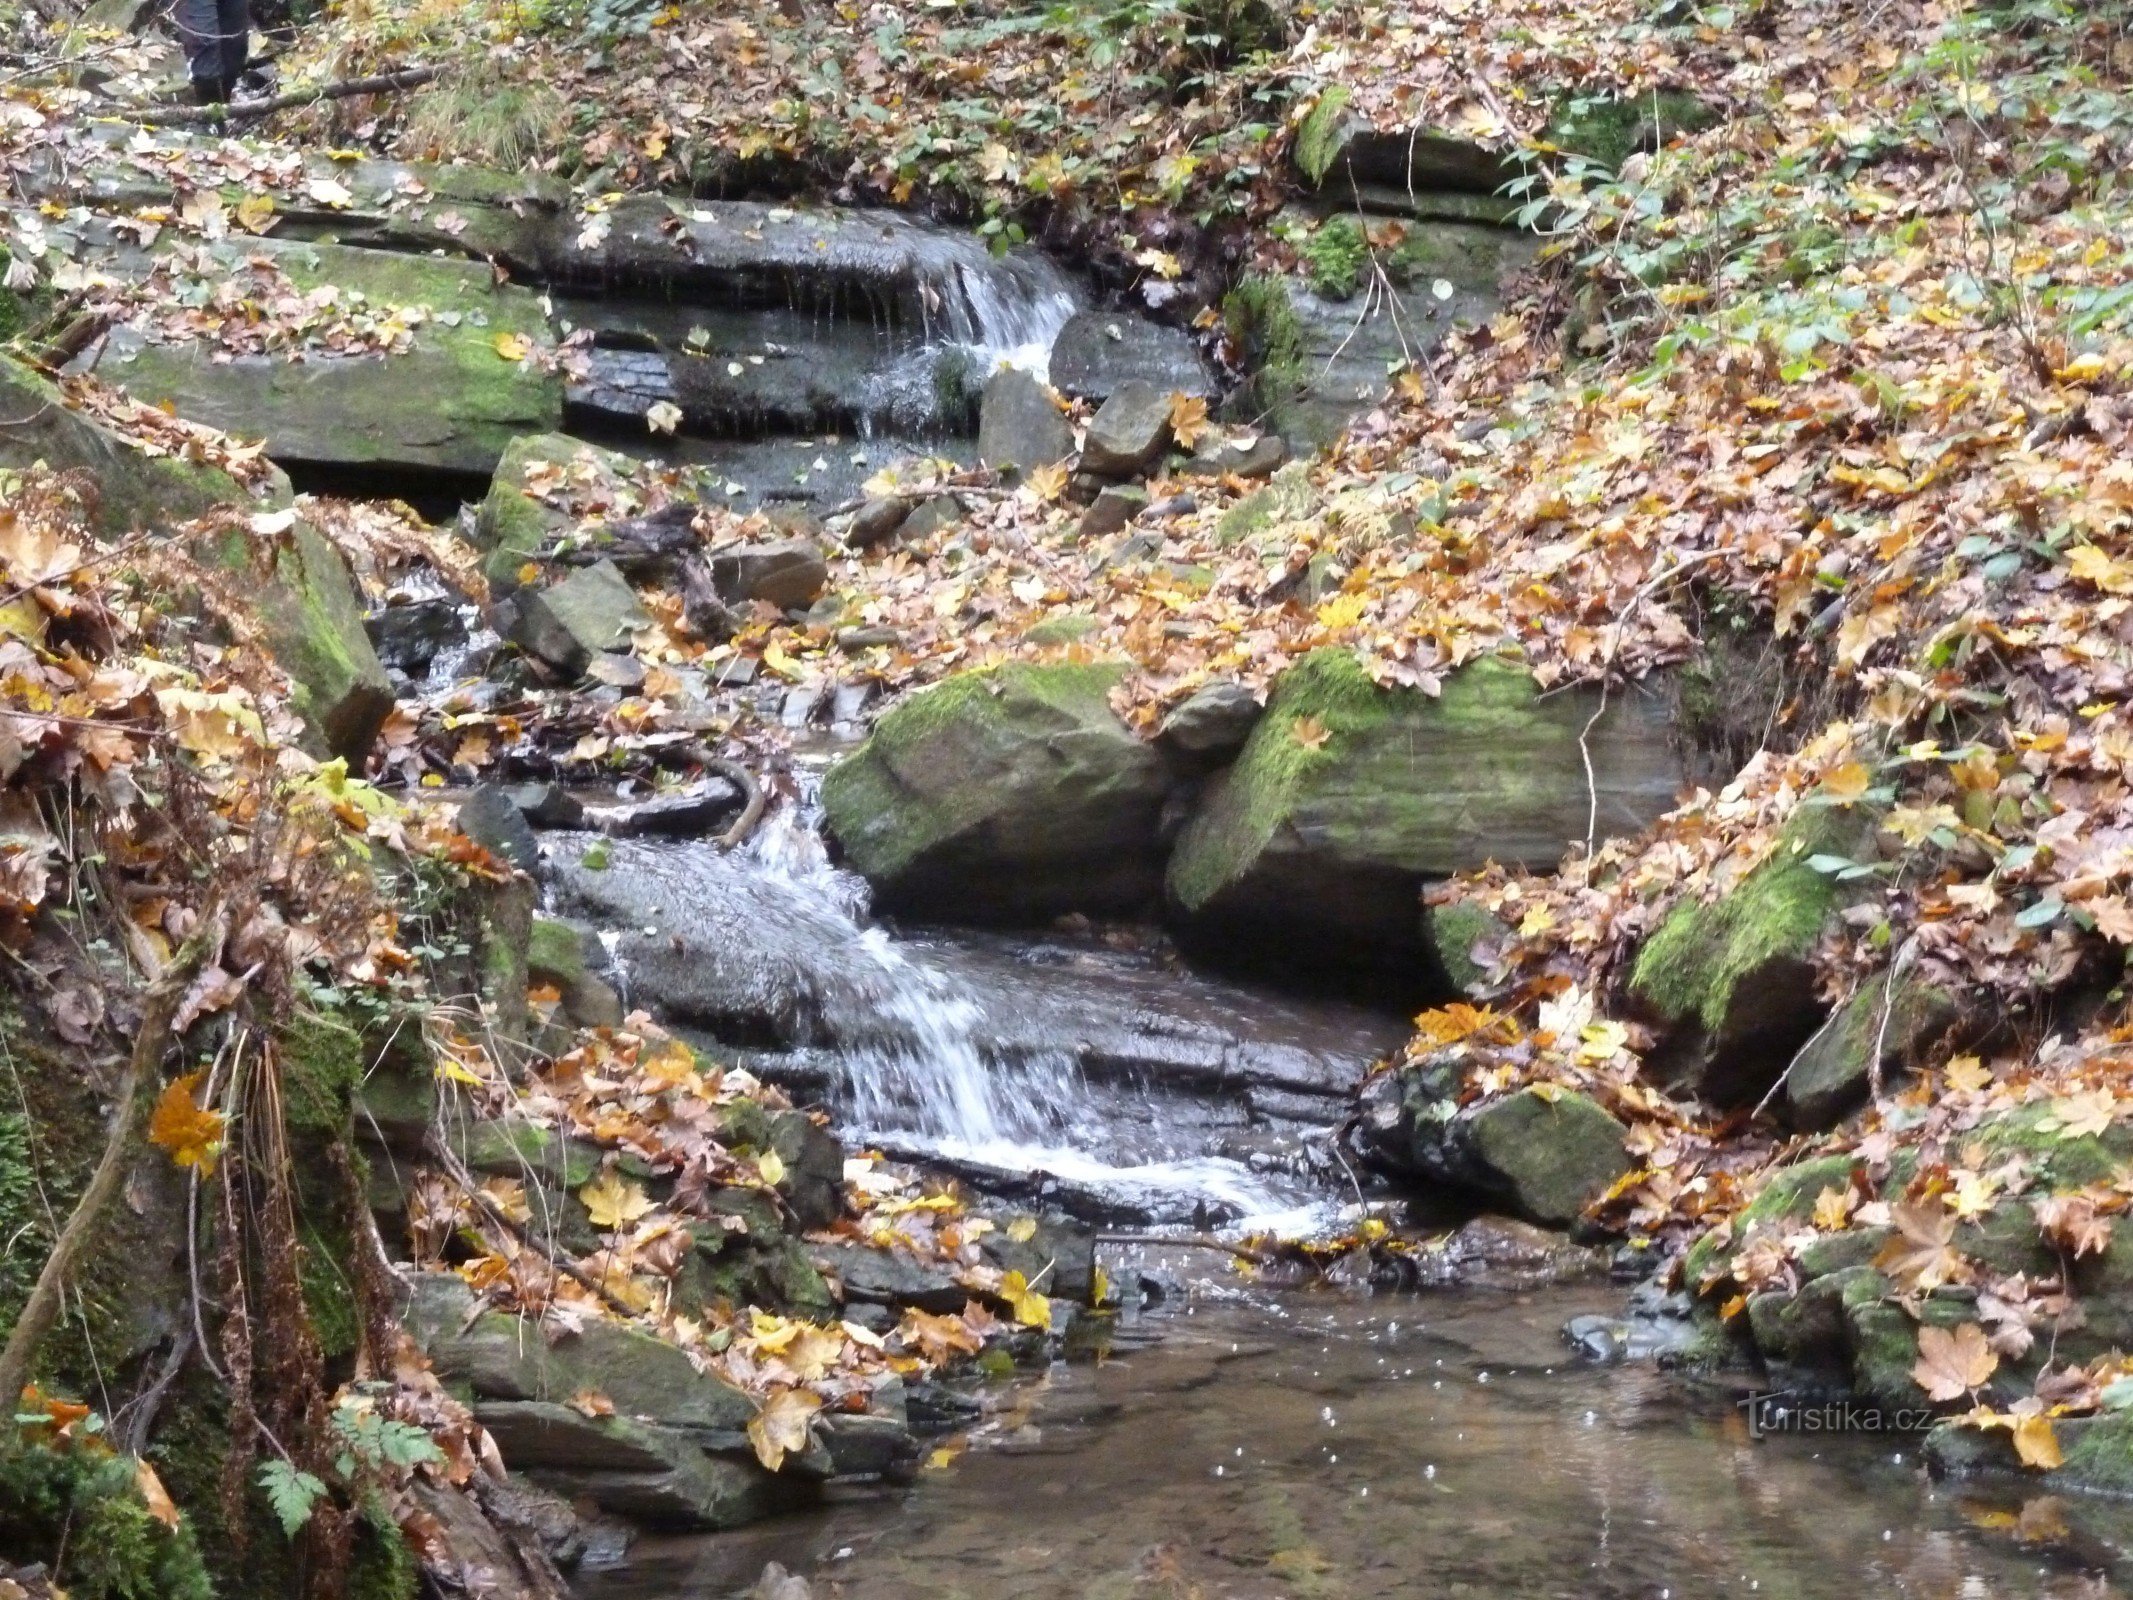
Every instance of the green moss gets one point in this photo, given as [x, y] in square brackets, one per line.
[1270, 338]
[1454, 930]
[84, 1514]
[1319, 138]
[1692, 965]
[1288, 496]
[1608, 129]
[322, 1066]
[1786, 1194]
[1335, 257]
[2060, 1160]
[556, 953]
[383, 1567]
[1062, 630]
[1328, 686]
[2099, 1453]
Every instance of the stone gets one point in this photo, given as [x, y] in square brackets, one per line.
[566, 624]
[547, 805]
[789, 574]
[1129, 432]
[134, 490]
[1832, 1074]
[1461, 934]
[931, 516]
[877, 522]
[311, 616]
[1210, 726]
[1312, 849]
[1019, 424]
[1111, 511]
[1098, 352]
[706, 806]
[448, 403]
[1003, 795]
[658, 1477]
[1221, 457]
[1731, 983]
[493, 820]
[614, 671]
[893, 1278]
[853, 640]
[514, 525]
[1546, 1153]
[557, 955]
[409, 637]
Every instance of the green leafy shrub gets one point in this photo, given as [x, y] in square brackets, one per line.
[80, 1509]
[1336, 256]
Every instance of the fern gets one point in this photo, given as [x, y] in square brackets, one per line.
[291, 1492]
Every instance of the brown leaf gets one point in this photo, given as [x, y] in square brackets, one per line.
[2037, 1444]
[1951, 1364]
[191, 1133]
[1919, 1256]
[213, 990]
[76, 1013]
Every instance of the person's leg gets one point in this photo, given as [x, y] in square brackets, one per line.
[235, 17]
[200, 35]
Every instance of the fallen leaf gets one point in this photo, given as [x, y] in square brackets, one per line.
[613, 1201]
[2037, 1443]
[191, 1133]
[780, 1428]
[1951, 1364]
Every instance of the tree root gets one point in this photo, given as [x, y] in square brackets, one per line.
[381, 83]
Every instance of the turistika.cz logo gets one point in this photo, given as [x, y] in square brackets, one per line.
[1782, 1411]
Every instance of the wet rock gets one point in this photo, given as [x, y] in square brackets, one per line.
[1013, 793]
[1347, 796]
[557, 955]
[2098, 1452]
[565, 625]
[1400, 159]
[931, 516]
[1129, 432]
[853, 640]
[449, 403]
[778, 1584]
[311, 617]
[788, 575]
[706, 806]
[1833, 1073]
[1099, 352]
[493, 820]
[890, 1278]
[133, 490]
[658, 1477]
[1019, 423]
[1210, 726]
[1548, 1153]
[877, 522]
[1220, 457]
[409, 637]
[1462, 935]
[513, 524]
[547, 805]
[1111, 511]
[1731, 983]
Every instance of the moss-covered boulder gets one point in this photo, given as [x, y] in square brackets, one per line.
[1348, 797]
[132, 488]
[1008, 794]
[1544, 1151]
[450, 401]
[311, 616]
[1882, 1023]
[1730, 981]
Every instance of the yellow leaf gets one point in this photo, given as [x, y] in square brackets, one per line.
[612, 1201]
[255, 213]
[1343, 611]
[1966, 1074]
[1833, 1208]
[591, 1403]
[781, 1427]
[1099, 1286]
[2093, 566]
[1031, 1309]
[1848, 783]
[1022, 1229]
[1188, 419]
[2037, 1444]
[1952, 1363]
[1047, 483]
[1310, 732]
[191, 1133]
[512, 346]
[770, 1167]
[157, 1498]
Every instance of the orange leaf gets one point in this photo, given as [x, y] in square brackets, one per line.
[191, 1133]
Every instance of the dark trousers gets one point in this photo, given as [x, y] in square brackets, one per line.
[215, 34]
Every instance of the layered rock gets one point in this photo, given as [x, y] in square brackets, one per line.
[1009, 794]
[1348, 797]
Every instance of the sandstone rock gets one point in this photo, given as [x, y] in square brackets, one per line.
[931, 516]
[493, 820]
[1111, 511]
[1129, 432]
[1833, 1073]
[1008, 794]
[1218, 457]
[547, 805]
[1019, 424]
[704, 807]
[789, 574]
[877, 522]
[1313, 847]
[566, 625]
[1210, 726]
[409, 637]
[1098, 352]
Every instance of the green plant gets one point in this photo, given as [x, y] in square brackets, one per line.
[1336, 255]
[78, 1506]
[1318, 139]
[489, 111]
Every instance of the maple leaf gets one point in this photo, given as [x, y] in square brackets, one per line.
[662, 416]
[1848, 782]
[2081, 1116]
[2113, 917]
[1965, 1075]
[191, 1133]
[2093, 566]
[1833, 1208]
[1031, 1309]
[1919, 1256]
[2071, 1222]
[1951, 1364]
[781, 1427]
[512, 346]
[1048, 482]
[613, 1201]
[2037, 1443]
[1188, 418]
[1309, 732]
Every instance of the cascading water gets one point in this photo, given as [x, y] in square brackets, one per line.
[1147, 1093]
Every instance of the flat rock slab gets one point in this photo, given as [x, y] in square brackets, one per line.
[1098, 352]
[1129, 432]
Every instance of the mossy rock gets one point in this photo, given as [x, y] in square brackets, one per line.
[1008, 794]
[1455, 931]
[1731, 981]
[311, 617]
[450, 403]
[1608, 129]
[133, 490]
[1549, 1155]
[513, 525]
[1348, 797]
[1787, 1195]
[1834, 1072]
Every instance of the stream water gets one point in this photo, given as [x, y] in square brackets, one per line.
[1307, 1446]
